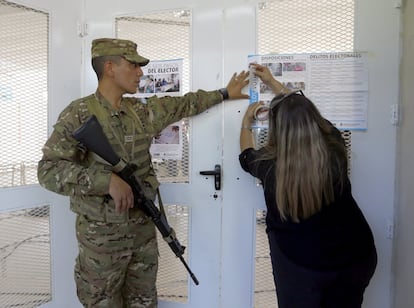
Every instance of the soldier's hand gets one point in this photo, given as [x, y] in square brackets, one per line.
[122, 194]
[236, 84]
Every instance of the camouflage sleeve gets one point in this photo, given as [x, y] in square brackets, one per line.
[167, 110]
[64, 168]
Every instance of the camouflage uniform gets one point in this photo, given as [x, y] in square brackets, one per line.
[118, 254]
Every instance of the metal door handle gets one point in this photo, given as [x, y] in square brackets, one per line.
[217, 176]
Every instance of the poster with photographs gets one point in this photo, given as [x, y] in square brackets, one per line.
[163, 78]
[337, 83]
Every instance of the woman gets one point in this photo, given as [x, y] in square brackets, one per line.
[322, 248]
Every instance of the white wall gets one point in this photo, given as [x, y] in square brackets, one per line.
[374, 151]
[403, 262]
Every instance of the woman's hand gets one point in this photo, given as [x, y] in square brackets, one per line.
[264, 73]
[249, 114]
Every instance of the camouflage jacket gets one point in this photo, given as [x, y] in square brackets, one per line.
[67, 169]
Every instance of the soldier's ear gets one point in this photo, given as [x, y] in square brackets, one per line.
[109, 68]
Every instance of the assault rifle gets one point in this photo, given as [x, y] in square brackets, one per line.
[91, 135]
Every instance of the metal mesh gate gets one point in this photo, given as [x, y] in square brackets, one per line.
[25, 258]
[284, 26]
[23, 92]
[172, 279]
[25, 267]
[296, 26]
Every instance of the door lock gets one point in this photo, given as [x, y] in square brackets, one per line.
[217, 176]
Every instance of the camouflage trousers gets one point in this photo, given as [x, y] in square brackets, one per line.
[117, 264]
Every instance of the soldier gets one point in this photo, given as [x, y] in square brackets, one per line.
[118, 254]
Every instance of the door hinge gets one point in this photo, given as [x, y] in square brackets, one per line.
[394, 119]
[82, 29]
[397, 4]
[389, 229]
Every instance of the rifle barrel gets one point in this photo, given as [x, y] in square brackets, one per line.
[193, 277]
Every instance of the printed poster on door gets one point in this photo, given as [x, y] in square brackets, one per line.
[164, 78]
[337, 83]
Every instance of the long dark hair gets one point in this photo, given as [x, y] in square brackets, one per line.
[308, 158]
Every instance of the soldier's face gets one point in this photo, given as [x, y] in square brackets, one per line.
[127, 76]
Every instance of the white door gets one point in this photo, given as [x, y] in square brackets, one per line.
[194, 204]
[220, 227]
[39, 75]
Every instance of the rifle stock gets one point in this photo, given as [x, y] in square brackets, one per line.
[91, 135]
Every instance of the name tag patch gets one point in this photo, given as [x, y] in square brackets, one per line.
[128, 138]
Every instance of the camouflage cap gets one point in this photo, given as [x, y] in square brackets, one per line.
[117, 47]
